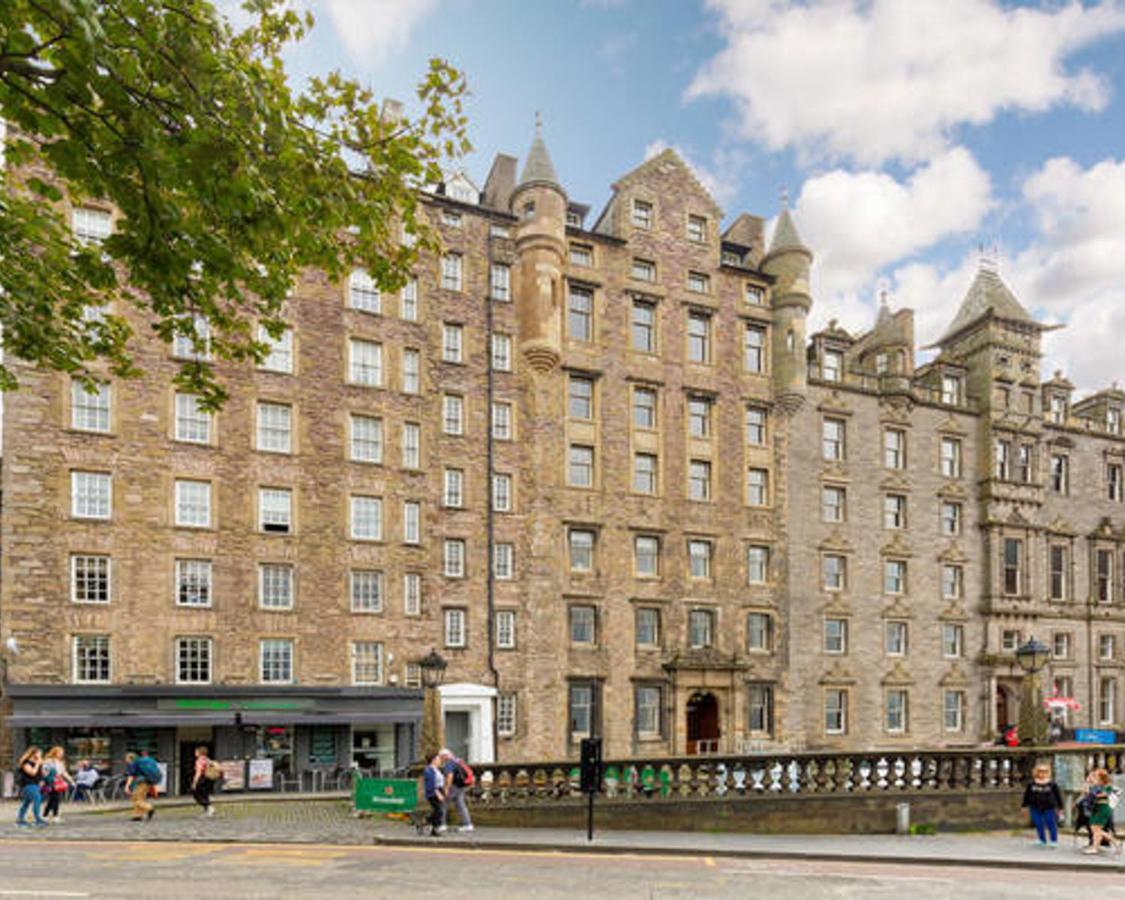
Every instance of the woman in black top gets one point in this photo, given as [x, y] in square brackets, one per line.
[1043, 800]
[28, 775]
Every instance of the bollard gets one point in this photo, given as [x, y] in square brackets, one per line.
[902, 818]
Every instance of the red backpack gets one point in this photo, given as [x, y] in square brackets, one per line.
[463, 776]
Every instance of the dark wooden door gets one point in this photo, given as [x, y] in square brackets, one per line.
[703, 724]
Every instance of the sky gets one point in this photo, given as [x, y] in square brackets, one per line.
[909, 134]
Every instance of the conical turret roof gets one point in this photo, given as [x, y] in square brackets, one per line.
[988, 295]
[538, 166]
[785, 236]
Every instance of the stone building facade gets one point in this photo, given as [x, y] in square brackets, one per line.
[599, 467]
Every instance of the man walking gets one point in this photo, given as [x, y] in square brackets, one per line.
[142, 775]
[458, 777]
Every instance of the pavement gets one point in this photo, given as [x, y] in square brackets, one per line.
[175, 870]
[327, 819]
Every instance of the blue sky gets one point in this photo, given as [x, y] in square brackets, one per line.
[908, 132]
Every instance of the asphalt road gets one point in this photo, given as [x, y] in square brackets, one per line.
[166, 870]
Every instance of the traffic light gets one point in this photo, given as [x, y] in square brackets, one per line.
[591, 766]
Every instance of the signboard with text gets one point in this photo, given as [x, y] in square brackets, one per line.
[261, 774]
[234, 774]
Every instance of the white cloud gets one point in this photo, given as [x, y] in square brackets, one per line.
[859, 222]
[873, 80]
[371, 30]
[1074, 271]
[721, 177]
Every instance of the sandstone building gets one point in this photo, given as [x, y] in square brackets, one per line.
[600, 467]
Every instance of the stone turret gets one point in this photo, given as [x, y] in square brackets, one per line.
[789, 261]
[540, 203]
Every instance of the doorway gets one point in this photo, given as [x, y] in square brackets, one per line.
[703, 730]
[458, 732]
[1007, 707]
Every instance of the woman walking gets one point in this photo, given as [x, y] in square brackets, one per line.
[1102, 813]
[56, 781]
[203, 781]
[28, 776]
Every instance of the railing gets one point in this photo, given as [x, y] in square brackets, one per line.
[783, 774]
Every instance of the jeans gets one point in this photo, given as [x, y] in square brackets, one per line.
[456, 798]
[1045, 821]
[30, 796]
[437, 813]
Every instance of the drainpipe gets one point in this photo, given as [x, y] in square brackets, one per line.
[490, 515]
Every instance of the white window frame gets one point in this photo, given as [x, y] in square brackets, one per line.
[367, 656]
[504, 560]
[455, 622]
[277, 587]
[192, 424]
[275, 508]
[365, 362]
[506, 710]
[411, 445]
[363, 294]
[91, 412]
[91, 495]
[453, 553]
[365, 517]
[452, 342]
[274, 646]
[280, 355]
[411, 370]
[452, 271]
[184, 645]
[187, 506]
[82, 561]
[365, 433]
[411, 522]
[505, 629]
[500, 282]
[501, 352]
[501, 492]
[196, 577]
[274, 433]
[104, 648]
[412, 594]
[453, 414]
[366, 591]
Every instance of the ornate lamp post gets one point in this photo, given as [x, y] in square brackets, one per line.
[433, 666]
[1032, 657]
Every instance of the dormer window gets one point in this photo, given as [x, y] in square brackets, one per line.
[573, 220]
[880, 363]
[730, 258]
[833, 365]
[642, 214]
[950, 390]
[755, 296]
[1058, 409]
[451, 218]
[1113, 420]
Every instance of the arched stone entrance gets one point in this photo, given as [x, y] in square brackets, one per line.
[703, 731]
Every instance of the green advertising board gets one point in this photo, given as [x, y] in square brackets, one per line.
[385, 794]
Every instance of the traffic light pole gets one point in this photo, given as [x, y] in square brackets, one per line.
[590, 778]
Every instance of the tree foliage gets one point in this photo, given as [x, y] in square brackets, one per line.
[226, 180]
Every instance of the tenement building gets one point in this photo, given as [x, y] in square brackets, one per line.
[595, 463]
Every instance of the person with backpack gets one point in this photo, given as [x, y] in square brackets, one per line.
[142, 775]
[1102, 798]
[458, 777]
[28, 775]
[207, 773]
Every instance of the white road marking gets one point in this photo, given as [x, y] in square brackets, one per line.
[40, 893]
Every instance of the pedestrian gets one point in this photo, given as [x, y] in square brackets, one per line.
[1101, 813]
[28, 776]
[433, 781]
[458, 777]
[142, 775]
[203, 780]
[56, 782]
[1043, 799]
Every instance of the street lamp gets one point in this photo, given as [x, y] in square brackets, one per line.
[1032, 657]
[432, 666]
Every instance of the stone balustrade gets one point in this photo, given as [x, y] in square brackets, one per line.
[784, 774]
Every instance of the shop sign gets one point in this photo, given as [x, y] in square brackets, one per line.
[385, 794]
[1095, 736]
[261, 774]
[234, 774]
[214, 705]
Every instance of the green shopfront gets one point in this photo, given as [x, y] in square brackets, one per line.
[278, 739]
